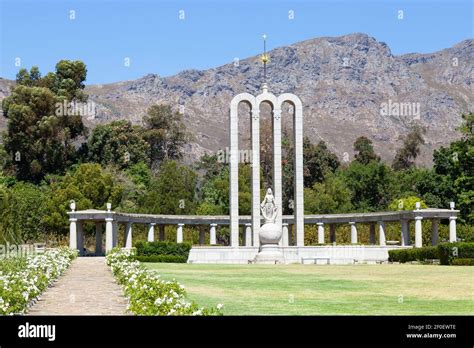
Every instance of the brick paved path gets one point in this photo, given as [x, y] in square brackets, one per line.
[87, 287]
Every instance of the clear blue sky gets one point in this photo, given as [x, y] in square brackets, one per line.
[213, 33]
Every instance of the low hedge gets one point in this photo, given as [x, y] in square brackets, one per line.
[448, 252]
[415, 254]
[162, 258]
[463, 262]
[162, 251]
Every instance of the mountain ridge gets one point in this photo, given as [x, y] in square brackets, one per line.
[342, 81]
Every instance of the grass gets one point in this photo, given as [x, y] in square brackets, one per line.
[327, 290]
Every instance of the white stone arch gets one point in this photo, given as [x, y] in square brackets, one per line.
[234, 160]
[298, 163]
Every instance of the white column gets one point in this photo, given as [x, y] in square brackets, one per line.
[162, 232]
[234, 171]
[382, 241]
[109, 234]
[255, 130]
[128, 235]
[434, 231]
[418, 239]
[405, 236]
[372, 233]
[277, 175]
[353, 233]
[73, 233]
[452, 229]
[151, 232]
[320, 232]
[332, 233]
[285, 236]
[80, 238]
[98, 238]
[248, 235]
[299, 183]
[212, 231]
[179, 233]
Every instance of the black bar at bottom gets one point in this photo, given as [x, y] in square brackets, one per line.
[225, 330]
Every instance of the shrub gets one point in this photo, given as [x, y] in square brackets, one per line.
[465, 232]
[163, 248]
[147, 293]
[161, 258]
[21, 211]
[463, 262]
[415, 254]
[450, 251]
[408, 203]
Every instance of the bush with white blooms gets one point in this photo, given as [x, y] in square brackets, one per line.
[23, 279]
[147, 293]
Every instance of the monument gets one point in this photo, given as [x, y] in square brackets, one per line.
[273, 221]
[270, 232]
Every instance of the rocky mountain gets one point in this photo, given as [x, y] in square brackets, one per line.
[350, 86]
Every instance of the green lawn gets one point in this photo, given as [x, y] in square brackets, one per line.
[327, 290]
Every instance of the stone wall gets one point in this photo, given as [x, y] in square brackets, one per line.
[340, 254]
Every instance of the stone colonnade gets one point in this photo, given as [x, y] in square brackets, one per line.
[108, 222]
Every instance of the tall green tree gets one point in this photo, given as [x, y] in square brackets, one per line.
[172, 191]
[364, 150]
[456, 162]
[210, 166]
[329, 197]
[118, 143]
[165, 133]
[89, 185]
[39, 139]
[371, 185]
[435, 189]
[318, 161]
[213, 189]
[407, 154]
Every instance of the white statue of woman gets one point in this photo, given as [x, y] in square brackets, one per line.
[268, 207]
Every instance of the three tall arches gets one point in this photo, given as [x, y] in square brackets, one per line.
[276, 104]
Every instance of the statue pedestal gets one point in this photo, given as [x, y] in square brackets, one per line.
[270, 252]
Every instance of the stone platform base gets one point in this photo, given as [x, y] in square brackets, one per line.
[334, 255]
[270, 255]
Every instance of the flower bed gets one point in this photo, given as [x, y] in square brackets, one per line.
[147, 293]
[23, 279]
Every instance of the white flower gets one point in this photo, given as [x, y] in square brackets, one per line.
[219, 306]
[25, 295]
